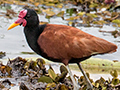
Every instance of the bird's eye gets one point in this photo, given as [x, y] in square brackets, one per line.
[28, 16]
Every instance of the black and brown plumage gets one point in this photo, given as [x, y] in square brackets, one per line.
[61, 43]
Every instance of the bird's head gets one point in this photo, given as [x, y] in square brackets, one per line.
[26, 17]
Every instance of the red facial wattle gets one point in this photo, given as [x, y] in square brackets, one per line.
[21, 19]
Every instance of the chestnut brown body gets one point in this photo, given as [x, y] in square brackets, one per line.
[69, 44]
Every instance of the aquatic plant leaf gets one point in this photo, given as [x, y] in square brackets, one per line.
[31, 65]
[73, 18]
[50, 85]
[100, 82]
[70, 23]
[115, 81]
[92, 5]
[41, 65]
[45, 79]
[52, 74]
[114, 14]
[63, 74]
[60, 14]
[92, 15]
[100, 22]
[38, 10]
[87, 19]
[97, 85]
[63, 87]
[61, 77]
[41, 60]
[52, 1]
[70, 11]
[81, 13]
[49, 12]
[114, 74]
[63, 69]
[116, 21]
[60, 5]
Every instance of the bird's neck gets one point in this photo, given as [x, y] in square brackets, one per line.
[32, 35]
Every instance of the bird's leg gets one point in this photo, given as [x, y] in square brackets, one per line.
[76, 86]
[89, 85]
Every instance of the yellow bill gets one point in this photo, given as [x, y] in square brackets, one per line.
[13, 25]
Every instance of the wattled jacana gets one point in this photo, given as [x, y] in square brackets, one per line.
[61, 43]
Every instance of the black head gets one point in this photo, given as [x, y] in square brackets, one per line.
[27, 18]
[31, 18]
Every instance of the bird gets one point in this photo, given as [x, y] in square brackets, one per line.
[61, 43]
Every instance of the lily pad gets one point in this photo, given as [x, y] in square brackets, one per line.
[115, 81]
[45, 79]
[60, 14]
[116, 21]
[63, 87]
[81, 13]
[63, 69]
[50, 85]
[52, 74]
[73, 18]
[114, 73]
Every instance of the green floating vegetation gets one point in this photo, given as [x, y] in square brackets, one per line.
[52, 74]
[117, 21]
[45, 79]
[34, 73]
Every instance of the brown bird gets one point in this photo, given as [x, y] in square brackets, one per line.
[61, 43]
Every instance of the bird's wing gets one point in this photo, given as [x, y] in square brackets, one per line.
[65, 42]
